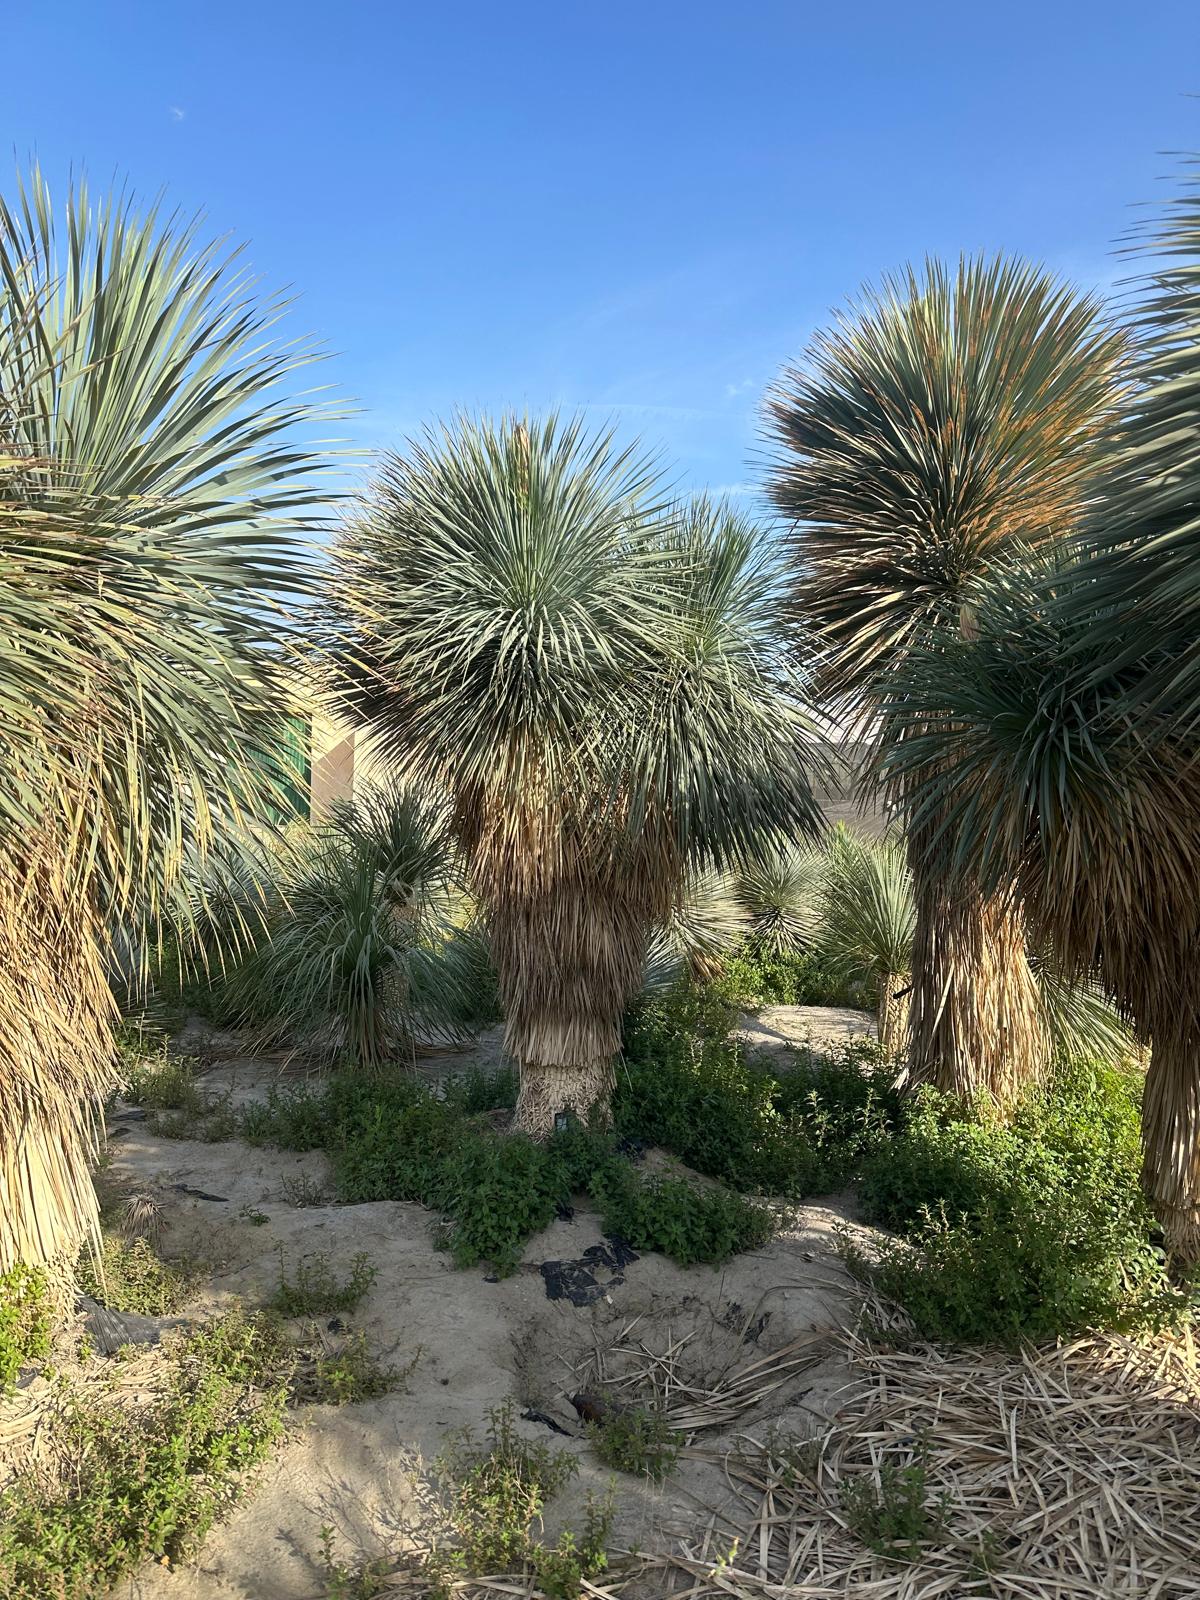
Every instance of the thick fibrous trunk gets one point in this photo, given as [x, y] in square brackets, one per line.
[582, 1090]
[569, 958]
[976, 1015]
[56, 1063]
[1171, 1135]
[892, 1016]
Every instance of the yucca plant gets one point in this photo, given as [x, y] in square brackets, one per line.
[1066, 748]
[358, 951]
[153, 492]
[703, 926]
[953, 418]
[868, 924]
[781, 898]
[595, 679]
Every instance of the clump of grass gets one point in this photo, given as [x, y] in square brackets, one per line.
[129, 1276]
[25, 1322]
[894, 1517]
[636, 1440]
[314, 1289]
[147, 1482]
[495, 1495]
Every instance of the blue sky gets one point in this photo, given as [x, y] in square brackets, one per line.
[642, 209]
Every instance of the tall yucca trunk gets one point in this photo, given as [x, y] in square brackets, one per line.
[1171, 1133]
[975, 1017]
[568, 960]
[892, 1014]
[569, 902]
[57, 1018]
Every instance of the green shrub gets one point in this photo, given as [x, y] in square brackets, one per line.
[314, 1289]
[499, 1192]
[720, 1117]
[395, 1140]
[844, 1102]
[636, 1440]
[148, 1482]
[495, 1496]
[754, 977]
[683, 1219]
[398, 1151]
[482, 1089]
[25, 1322]
[1037, 1229]
[893, 1517]
[130, 1277]
[799, 1130]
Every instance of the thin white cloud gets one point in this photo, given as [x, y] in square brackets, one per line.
[732, 390]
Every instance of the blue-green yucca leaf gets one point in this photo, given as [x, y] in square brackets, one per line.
[158, 480]
[519, 615]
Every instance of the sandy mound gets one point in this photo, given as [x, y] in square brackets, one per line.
[738, 1347]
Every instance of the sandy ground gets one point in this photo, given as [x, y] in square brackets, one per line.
[363, 1469]
[779, 1029]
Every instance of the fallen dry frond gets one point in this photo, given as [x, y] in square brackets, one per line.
[691, 1395]
[1064, 1474]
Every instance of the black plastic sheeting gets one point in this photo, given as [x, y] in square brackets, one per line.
[592, 1275]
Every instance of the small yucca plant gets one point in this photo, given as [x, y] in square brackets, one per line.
[360, 949]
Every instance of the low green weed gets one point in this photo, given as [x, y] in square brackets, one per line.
[894, 1517]
[130, 1277]
[498, 1192]
[636, 1440]
[792, 1131]
[25, 1322]
[314, 1289]
[753, 977]
[495, 1495]
[686, 1220]
[153, 1076]
[482, 1089]
[302, 1191]
[1038, 1229]
[148, 1482]
[350, 1374]
[212, 1121]
[362, 1580]
[396, 1140]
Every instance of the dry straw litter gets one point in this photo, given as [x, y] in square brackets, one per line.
[1049, 1474]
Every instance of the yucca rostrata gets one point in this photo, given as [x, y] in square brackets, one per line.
[1066, 748]
[951, 420]
[598, 681]
[151, 490]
